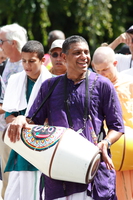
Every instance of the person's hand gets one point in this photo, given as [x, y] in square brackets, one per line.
[126, 38]
[103, 147]
[14, 129]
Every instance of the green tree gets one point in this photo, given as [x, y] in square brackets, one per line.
[91, 19]
[31, 14]
[97, 20]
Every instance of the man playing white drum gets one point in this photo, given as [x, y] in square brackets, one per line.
[78, 91]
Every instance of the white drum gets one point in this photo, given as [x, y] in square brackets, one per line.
[58, 152]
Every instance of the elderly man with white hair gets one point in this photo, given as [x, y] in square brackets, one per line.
[12, 38]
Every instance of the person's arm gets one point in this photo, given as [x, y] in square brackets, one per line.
[15, 127]
[123, 38]
[10, 118]
[1, 110]
[113, 119]
[110, 138]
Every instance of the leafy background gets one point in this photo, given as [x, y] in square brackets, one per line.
[97, 20]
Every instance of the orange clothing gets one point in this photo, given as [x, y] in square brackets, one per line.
[124, 89]
[124, 185]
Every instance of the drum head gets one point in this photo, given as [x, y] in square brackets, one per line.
[93, 168]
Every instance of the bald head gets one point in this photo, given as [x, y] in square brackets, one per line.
[103, 55]
[104, 62]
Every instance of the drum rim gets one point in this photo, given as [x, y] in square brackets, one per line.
[123, 156]
[87, 173]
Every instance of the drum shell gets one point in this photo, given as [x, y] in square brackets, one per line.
[122, 151]
[73, 158]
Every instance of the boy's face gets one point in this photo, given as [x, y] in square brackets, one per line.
[32, 64]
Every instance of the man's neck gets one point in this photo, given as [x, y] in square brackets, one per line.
[15, 57]
[115, 78]
[76, 77]
[57, 72]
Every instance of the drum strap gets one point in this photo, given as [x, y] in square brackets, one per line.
[86, 99]
[67, 102]
[46, 97]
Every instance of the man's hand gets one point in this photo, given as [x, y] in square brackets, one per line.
[15, 127]
[103, 147]
[126, 38]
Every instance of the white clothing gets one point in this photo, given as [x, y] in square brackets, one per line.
[4, 153]
[16, 89]
[18, 186]
[76, 196]
[10, 68]
[2, 116]
[128, 71]
[21, 184]
[123, 62]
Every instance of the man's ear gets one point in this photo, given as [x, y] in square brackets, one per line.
[14, 42]
[115, 63]
[63, 55]
[43, 59]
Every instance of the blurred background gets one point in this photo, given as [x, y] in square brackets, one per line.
[97, 21]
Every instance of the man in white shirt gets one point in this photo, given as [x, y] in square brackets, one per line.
[124, 61]
[12, 38]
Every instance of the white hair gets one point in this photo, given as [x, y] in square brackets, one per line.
[15, 32]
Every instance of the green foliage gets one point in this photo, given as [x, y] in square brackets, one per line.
[97, 20]
[31, 14]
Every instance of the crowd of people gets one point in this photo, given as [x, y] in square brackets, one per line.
[96, 104]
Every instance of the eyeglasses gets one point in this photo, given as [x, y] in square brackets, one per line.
[2, 41]
[55, 54]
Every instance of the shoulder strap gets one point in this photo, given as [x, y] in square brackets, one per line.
[46, 97]
[91, 90]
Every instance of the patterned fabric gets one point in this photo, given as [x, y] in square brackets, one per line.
[11, 68]
[40, 138]
[2, 116]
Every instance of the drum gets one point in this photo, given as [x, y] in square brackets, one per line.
[122, 151]
[58, 152]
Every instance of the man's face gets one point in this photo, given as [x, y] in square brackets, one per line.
[32, 64]
[6, 45]
[57, 60]
[78, 57]
[106, 69]
[2, 57]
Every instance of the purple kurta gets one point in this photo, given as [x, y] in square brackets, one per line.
[104, 105]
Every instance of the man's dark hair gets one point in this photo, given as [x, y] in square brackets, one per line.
[33, 46]
[72, 39]
[54, 35]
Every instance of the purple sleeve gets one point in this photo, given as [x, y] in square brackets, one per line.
[105, 105]
[112, 109]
